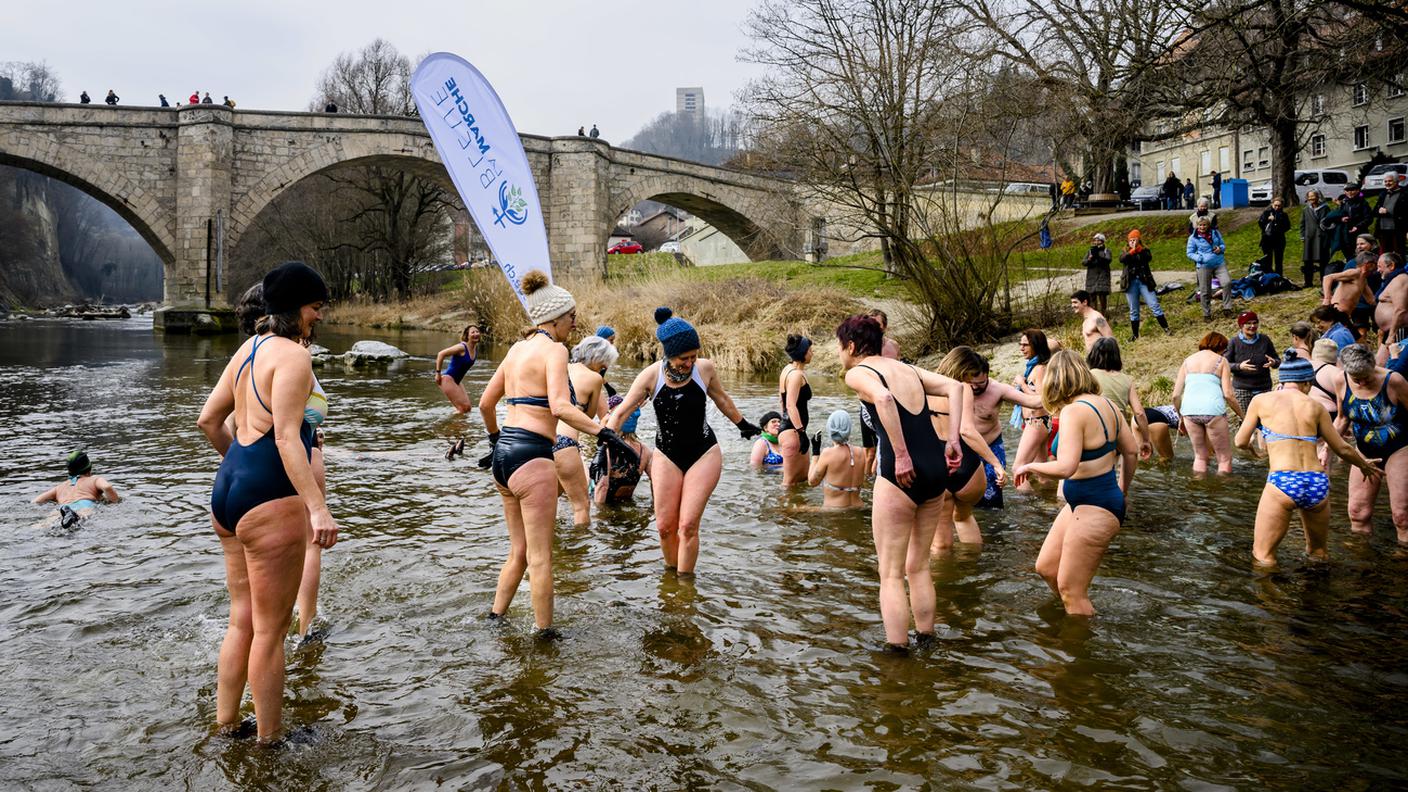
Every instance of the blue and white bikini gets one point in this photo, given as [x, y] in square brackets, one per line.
[1307, 488]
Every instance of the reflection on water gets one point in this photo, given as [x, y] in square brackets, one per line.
[758, 672]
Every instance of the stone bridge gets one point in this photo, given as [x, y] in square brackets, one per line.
[181, 175]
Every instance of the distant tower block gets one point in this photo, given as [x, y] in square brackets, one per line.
[690, 100]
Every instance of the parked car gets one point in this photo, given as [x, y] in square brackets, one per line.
[1147, 197]
[1259, 193]
[1329, 183]
[1374, 181]
[670, 247]
[625, 246]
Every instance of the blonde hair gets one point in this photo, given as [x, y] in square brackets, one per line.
[1067, 377]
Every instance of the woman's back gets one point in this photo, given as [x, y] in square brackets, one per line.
[255, 365]
[1292, 417]
[1323, 388]
[1099, 431]
[525, 376]
[1115, 385]
[845, 472]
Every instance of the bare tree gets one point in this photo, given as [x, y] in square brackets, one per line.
[712, 139]
[29, 81]
[375, 80]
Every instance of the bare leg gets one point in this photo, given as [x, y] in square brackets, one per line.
[1273, 519]
[455, 393]
[963, 521]
[699, 483]
[533, 487]
[666, 486]
[943, 527]
[1316, 523]
[312, 558]
[1048, 559]
[1030, 448]
[572, 474]
[233, 669]
[273, 535]
[794, 462]
[1162, 440]
[1221, 439]
[892, 518]
[511, 574]
[1090, 532]
[1396, 474]
[1363, 492]
[917, 570]
[1198, 435]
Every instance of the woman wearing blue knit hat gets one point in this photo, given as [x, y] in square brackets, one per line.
[1292, 424]
[683, 475]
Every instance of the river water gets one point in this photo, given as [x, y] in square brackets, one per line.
[759, 673]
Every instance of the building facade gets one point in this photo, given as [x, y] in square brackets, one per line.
[690, 100]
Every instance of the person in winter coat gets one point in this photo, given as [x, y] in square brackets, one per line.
[195, 98]
[1391, 216]
[83, 98]
[1208, 252]
[111, 99]
[1188, 191]
[1274, 224]
[206, 99]
[1173, 192]
[1314, 253]
[1355, 218]
[1097, 273]
[1138, 283]
[1217, 189]
[1201, 211]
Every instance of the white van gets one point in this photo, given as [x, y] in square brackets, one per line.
[1329, 183]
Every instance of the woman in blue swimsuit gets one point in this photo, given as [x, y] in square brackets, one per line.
[913, 467]
[1092, 439]
[683, 475]
[1293, 423]
[533, 380]
[265, 497]
[1374, 404]
[767, 449]
[449, 375]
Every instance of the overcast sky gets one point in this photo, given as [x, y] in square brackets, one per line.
[557, 64]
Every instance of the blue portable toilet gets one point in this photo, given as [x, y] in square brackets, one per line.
[1235, 194]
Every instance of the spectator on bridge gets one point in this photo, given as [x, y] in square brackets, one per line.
[1217, 189]
[1188, 192]
[595, 133]
[195, 97]
[83, 98]
[111, 99]
[162, 97]
[230, 103]
[206, 99]
[581, 131]
[1173, 191]
[330, 107]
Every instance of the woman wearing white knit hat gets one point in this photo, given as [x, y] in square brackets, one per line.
[533, 380]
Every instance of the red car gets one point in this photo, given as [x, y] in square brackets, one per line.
[625, 246]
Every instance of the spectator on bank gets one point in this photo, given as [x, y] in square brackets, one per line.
[595, 133]
[1391, 216]
[195, 98]
[1173, 192]
[1137, 282]
[1314, 251]
[162, 99]
[1097, 273]
[1355, 218]
[330, 107]
[84, 99]
[1252, 355]
[1217, 189]
[1068, 192]
[1274, 224]
[206, 98]
[111, 100]
[1188, 192]
[1208, 253]
[1199, 213]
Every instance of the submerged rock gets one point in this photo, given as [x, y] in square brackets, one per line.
[372, 353]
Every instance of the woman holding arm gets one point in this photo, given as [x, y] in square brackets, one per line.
[969, 482]
[449, 376]
[683, 475]
[1096, 443]
[913, 467]
[533, 379]
[1201, 395]
[591, 357]
[266, 496]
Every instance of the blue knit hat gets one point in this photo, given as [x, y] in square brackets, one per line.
[1295, 368]
[605, 331]
[675, 334]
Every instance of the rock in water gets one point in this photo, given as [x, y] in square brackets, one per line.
[372, 353]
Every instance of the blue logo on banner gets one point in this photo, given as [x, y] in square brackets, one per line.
[512, 207]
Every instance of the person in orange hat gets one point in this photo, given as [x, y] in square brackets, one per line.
[1137, 282]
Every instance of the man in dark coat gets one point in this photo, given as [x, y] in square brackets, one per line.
[1217, 189]
[1355, 218]
[1391, 216]
[1173, 192]
[1315, 248]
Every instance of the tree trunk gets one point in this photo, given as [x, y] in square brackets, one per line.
[1283, 158]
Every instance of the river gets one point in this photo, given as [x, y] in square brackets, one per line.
[759, 673]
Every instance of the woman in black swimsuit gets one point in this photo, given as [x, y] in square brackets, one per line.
[266, 497]
[683, 475]
[533, 380]
[793, 394]
[590, 359]
[913, 469]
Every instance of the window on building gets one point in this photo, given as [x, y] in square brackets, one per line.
[1163, 171]
[1205, 162]
[1224, 159]
[1263, 157]
[1176, 164]
[1395, 130]
[1317, 145]
[1361, 137]
[1317, 104]
[1135, 173]
[1361, 94]
[1249, 160]
[1395, 88]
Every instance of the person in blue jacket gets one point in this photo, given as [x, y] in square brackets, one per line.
[1208, 253]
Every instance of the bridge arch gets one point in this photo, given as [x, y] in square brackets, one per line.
[731, 211]
[43, 155]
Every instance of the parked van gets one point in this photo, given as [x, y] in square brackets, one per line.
[1329, 183]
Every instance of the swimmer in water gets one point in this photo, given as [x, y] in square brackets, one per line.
[794, 392]
[1374, 403]
[533, 379]
[766, 452]
[840, 470]
[450, 376]
[968, 484]
[592, 356]
[683, 475]
[1092, 442]
[1035, 422]
[614, 477]
[1293, 424]
[265, 491]
[889, 349]
[78, 497]
[966, 365]
[914, 466]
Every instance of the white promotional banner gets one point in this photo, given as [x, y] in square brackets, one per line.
[484, 155]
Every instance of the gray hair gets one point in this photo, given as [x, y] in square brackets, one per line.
[595, 349]
[1357, 361]
[1202, 203]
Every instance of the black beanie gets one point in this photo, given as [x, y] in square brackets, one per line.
[78, 463]
[291, 286]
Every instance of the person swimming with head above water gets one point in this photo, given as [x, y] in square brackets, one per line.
[449, 376]
[767, 454]
[683, 475]
[1293, 424]
[840, 469]
[78, 497]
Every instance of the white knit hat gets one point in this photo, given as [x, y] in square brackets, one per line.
[545, 302]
